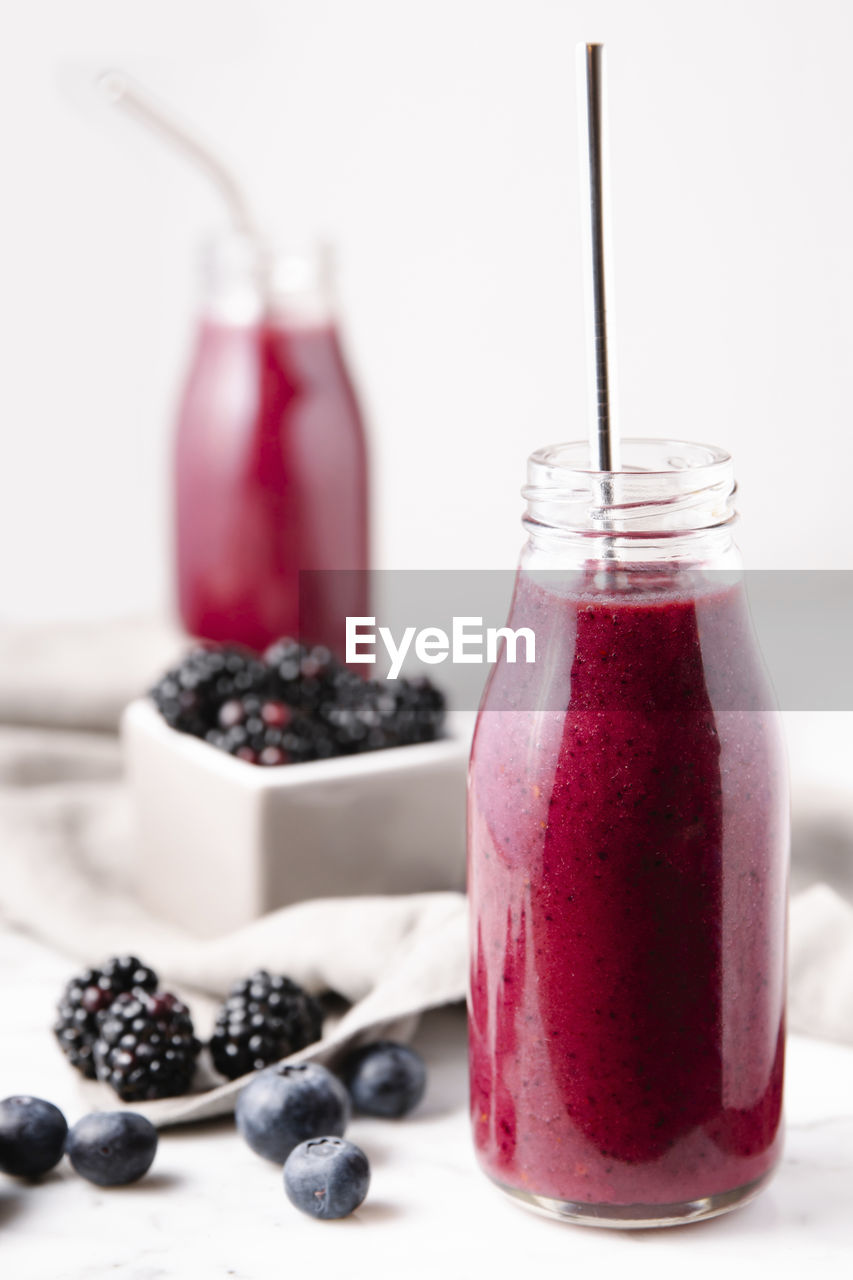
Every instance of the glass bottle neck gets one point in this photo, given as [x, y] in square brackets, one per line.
[671, 504]
[245, 282]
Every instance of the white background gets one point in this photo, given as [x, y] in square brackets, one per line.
[435, 142]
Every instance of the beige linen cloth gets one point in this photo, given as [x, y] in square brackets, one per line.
[64, 850]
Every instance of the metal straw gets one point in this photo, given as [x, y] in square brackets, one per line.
[598, 258]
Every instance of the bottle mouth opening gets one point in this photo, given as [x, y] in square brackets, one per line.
[247, 276]
[662, 487]
[641, 455]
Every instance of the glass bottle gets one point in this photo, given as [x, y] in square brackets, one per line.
[628, 847]
[270, 457]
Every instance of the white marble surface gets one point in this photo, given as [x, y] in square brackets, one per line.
[210, 1208]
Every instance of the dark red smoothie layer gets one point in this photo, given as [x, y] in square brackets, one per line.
[627, 874]
[271, 479]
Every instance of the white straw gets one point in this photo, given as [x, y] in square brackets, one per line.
[131, 97]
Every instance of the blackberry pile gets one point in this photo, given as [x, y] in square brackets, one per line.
[293, 705]
[89, 994]
[146, 1046]
[265, 1018]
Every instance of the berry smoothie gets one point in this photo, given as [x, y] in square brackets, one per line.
[271, 479]
[627, 875]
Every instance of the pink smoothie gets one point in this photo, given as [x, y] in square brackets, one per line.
[271, 479]
[627, 876]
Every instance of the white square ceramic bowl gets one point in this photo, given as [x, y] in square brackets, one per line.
[220, 842]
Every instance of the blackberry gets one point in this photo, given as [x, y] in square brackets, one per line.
[146, 1046]
[89, 994]
[189, 696]
[420, 711]
[267, 731]
[264, 1019]
[370, 716]
[302, 677]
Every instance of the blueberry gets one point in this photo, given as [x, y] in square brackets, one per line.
[112, 1148]
[385, 1079]
[326, 1177]
[32, 1136]
[284, 1105]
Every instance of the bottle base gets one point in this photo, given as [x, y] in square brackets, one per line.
[637, 1216]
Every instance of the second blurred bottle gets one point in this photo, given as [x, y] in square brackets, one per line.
[270, 465]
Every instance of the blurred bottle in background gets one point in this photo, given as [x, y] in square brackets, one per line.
[270, 458]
